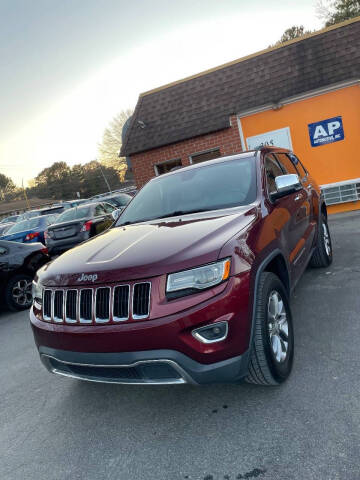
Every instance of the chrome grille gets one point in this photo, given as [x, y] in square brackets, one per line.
[47, 304]
[102, 305]
[58, 305]
[86, 305]
[121, 303]
[71, 306]
[99, 305]
[141, 300]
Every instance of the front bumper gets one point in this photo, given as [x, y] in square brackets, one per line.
[102, 352]
[152, 367]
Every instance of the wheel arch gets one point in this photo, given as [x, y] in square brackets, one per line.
[275, 262]
[323, 210]
[277, 265]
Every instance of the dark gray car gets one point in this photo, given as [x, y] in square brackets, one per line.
[77, 225]
[18, 265]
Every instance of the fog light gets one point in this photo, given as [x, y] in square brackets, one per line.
[211, 333]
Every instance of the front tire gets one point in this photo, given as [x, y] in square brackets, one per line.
[322, 256]
[18, 294]
[272, 349]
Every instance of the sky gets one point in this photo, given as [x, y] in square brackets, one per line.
[67, 67]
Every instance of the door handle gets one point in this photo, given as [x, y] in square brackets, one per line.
[297, 198]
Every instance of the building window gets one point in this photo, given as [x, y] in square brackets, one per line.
[167, 166]
[204, 156]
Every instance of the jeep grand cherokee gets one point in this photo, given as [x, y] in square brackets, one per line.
[192, 283]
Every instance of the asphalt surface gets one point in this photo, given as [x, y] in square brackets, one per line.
[309, 428]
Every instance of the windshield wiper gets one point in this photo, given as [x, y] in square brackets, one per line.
[129, 222]
[171, 214]
[176, 213]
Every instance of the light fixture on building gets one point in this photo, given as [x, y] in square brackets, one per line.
[277, 106]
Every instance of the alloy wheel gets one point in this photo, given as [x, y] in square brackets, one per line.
[326, 237]
[21, 293]
[278, 327]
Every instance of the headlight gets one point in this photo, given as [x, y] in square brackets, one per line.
[37, 291]
[199, 278]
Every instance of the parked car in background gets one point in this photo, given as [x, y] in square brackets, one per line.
[4, 227]
[77, 225]
[193, 282]
[18, 265]
[71, 203]
[39, 212]
[118, 200]
[51, 210]
[29, 214]
[10, 219]
[29, 231]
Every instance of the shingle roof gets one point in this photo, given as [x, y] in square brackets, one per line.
[202, 103]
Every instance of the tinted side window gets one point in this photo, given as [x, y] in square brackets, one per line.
[299, 166]
[287, 164]
[108, 208]
[99, 210]
[272, 170]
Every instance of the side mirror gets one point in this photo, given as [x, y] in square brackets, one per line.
[286, 184]
[116, 213]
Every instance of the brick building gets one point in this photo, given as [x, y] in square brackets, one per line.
[303, 95]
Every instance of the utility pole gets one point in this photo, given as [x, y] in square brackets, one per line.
[101, 170]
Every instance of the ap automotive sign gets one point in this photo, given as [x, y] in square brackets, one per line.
[326, 131]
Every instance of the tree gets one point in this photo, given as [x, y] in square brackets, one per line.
[111, 142]
[94, 181]
[337, 11]
[54, 181]
[6, 184]
[60, 182]
[296, 31]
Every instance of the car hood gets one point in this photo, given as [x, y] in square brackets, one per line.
[148, 249]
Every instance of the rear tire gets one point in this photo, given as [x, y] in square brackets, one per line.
[272, 349]
[322, 256]
[18, 295]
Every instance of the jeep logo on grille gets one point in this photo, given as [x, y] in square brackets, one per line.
[87, 278]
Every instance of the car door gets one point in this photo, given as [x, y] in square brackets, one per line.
[4, 262]
[306, 210]
[285, 214]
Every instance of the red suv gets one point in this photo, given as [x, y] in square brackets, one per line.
[192, 283]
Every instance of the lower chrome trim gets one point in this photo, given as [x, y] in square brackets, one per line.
[185, 378]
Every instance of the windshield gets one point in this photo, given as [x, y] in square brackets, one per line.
[74, 214]
[210, 187]
[24, 225]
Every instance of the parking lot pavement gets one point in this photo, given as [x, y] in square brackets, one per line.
[58, 428]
